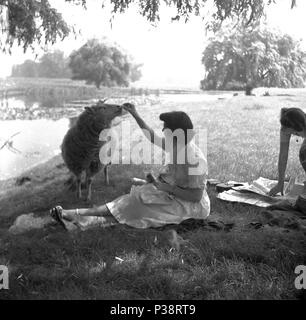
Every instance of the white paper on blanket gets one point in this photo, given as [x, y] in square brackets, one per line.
[256, 193]
[246, 197]
[260, 186]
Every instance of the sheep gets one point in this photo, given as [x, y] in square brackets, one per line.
[81, 145]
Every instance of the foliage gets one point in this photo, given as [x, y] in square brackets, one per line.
[102, 63]
[54, 65]
[37, 22]
[29, 22]
[51, 65]
[253, 56]
[28, 69]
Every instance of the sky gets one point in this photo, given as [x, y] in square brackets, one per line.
[170, 52]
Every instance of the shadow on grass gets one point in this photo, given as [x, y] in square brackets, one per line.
[123, 263]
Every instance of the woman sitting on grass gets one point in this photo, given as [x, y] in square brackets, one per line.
[293, 122]
[175, 195]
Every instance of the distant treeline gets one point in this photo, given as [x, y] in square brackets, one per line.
[50, 65]
[98, 62]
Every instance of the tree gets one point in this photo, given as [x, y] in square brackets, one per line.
[28, 69]
[51, 65]
[33, 22]
[102, 63]
[247, 57]
[54, 65]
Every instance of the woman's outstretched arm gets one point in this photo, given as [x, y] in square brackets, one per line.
[282, 162]
[148, 132]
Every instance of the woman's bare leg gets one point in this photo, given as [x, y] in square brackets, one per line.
[101, 211]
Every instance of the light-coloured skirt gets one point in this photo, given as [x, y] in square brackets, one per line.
[146, 206]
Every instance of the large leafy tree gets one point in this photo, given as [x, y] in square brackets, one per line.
[30, 22]
[104, 64]
[253, 56]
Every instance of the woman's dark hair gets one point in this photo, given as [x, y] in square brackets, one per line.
[293, 118]
[177, 120]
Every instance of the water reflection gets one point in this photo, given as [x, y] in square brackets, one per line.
[21, 108]
[27, 143]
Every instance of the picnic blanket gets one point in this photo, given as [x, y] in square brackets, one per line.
[256, 193]
[285, 212]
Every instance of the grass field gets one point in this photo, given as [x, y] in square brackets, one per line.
[244, 263]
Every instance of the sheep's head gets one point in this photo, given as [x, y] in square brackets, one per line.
[103, 114]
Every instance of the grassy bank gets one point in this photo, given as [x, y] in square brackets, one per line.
[244, 263]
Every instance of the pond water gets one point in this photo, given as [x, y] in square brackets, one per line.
[26, 143]
[31, 133]
[17, 108]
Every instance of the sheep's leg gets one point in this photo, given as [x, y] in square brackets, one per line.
[87, 174]
[106, 177]
[89, 179]
[94, 168]
[89, 184]
[79, 186]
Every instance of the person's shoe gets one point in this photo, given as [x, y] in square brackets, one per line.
[57, 214]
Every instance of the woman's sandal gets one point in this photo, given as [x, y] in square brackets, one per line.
[56, 214]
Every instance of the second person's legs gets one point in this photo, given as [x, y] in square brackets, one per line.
[302, 156]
